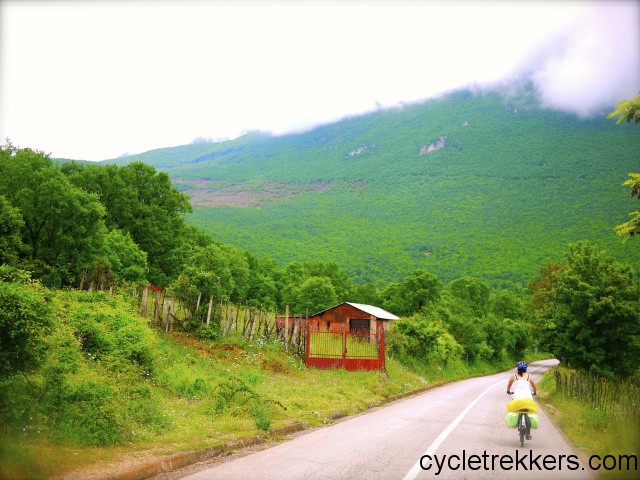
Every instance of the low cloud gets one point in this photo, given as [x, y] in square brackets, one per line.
[596, 64]
[179, 70]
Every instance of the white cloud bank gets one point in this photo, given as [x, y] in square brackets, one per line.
[97, 79]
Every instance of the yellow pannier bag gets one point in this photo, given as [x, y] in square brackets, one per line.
[522, 405]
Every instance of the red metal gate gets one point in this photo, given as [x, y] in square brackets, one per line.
[356, 350]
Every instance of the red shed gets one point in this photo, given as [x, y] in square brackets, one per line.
[349, 335]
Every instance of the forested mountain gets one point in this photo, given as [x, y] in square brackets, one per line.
[482, 184]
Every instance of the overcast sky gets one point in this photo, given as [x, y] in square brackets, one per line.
[95, 80]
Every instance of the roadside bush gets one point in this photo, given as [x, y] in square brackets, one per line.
[24, 321]
[84, 410]
[208, 332]
[506, 338]
[184, 381]
[425, 338]
[109, 334]
[136, 344]
[95, 338]
[95, 386]
[16, 406]
[262, 416]
[144, 409]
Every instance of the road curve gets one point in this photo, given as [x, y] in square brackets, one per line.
[456, 431]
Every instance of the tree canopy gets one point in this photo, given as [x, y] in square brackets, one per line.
[591, 313]
[63, 224]
[10, 226]
[629, 110]
[140, 202]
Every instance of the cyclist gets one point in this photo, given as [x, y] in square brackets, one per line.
[521, 385]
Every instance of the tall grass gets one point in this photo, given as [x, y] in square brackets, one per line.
[620, 398]
[600, 416]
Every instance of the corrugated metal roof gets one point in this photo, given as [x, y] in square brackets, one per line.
[375, 311]
[370, 309]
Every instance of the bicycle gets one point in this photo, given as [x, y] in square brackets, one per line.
[524, 423]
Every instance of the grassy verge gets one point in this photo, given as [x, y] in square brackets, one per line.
[200, 394]
[110, 388]
[292, 394]
[610, 431]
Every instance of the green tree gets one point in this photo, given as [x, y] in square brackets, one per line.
[10, 232]
[142, 203]
[157, 222]
[507, 304]
[126, 260]
[471, 334]
[593, 322]
[63, 225]
[340, 281]
[240, 272]
[417, 291]
[109, 183]
[293, 275]
[506, 337]
[472, 293]
[314, 295]
[632, 227]
[629, 110]
[262, 285]
[367, 294]
[298, 272]
[206, 274]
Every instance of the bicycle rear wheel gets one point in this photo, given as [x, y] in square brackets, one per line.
[522, 427]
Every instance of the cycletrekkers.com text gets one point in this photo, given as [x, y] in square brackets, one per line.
[526, 461]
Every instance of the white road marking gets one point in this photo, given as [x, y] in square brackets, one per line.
[413, 473]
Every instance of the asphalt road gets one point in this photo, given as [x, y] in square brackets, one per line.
[456, 431]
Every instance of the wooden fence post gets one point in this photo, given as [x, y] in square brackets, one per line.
[228, 321]
[143, 305]
[172, 308]
[251, 327]
[286, 327]
[156, 309]
[165, 309]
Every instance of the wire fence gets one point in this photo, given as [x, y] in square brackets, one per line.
[219, 318]
[617, 397]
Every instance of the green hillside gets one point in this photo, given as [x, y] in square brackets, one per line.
[509, 188]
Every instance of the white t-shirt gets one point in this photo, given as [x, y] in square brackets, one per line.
[521, 387]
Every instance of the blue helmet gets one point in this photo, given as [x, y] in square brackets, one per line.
[521, 366]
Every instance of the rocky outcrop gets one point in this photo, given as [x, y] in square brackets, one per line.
[359, 150]
[437, 145]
